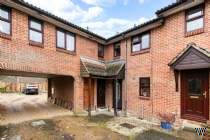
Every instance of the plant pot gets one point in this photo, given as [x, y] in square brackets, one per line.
[166, 125]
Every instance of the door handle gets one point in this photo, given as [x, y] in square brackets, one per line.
[205, 94]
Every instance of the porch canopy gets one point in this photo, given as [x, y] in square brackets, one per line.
[192, 57]
[93, 68]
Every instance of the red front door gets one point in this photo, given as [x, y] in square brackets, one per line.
[195, 95]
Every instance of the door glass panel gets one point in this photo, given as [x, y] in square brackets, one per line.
[194, 86]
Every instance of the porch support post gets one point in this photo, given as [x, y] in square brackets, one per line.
[176, 74]
[89, 96]
[116, 93]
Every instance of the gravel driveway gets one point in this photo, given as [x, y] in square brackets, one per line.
[16, 108]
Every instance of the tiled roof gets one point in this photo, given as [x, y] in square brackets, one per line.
[191, 45]
[136, 27]
[100, 68]
[175, 4]
[24, 3]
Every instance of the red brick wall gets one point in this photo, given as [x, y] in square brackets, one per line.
[166, 42]
[17, 55]
[62, 88]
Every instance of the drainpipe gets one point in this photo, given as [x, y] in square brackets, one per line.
[116, 93]
[89, 91]
[126, 74]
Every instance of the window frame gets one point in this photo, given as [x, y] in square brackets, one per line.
[9, 20]
[102, 47]
[114, 47]
[65, 41]
[140, 87]
[191, 11]
[142, 50]
[33, 29]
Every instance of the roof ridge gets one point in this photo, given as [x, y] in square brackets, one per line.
[174, 4]
[59, 18]
[65, 21]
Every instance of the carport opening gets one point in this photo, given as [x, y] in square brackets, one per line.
[61, 91]
[28, 98]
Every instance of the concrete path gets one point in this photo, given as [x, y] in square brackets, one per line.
[17, 108]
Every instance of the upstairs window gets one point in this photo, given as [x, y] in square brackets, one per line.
[144, 87]
[117, 50]
[195, 19]
[5, 20]
[140, 42]
[65, 40]
[35, 31]
[100, 51]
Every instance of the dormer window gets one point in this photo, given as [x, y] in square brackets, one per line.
[5, 20]
[195, 20]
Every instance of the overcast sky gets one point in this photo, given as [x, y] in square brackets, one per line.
[104, 17]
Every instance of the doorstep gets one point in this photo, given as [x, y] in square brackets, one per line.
[191, 125]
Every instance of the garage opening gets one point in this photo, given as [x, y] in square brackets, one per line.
[28, 97]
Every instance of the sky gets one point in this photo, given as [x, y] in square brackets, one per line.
[103, 17]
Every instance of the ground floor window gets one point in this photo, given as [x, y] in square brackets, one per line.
[144, 84]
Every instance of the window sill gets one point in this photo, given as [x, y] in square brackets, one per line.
[116, 57]
[144, 98]
[5, 36]
[140, 52]
[65, 51]
[195, 32]
[35, 44]
[101, 58]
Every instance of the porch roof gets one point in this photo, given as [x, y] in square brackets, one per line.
[105, 69]
[192, 57]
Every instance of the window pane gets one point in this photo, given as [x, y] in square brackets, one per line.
[145, 87]
[60, 39]
[36, 25]
[136, 47]
[196, 13]
[35, 36]
[136, 39]
[195, 24]
[194, 86]
[117, 50]
[145, 41]
[145, 92]
[101, 51]
[70, 43]
[4, 14]
[5, 27]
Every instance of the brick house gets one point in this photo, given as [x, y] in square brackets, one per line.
[159, 66]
